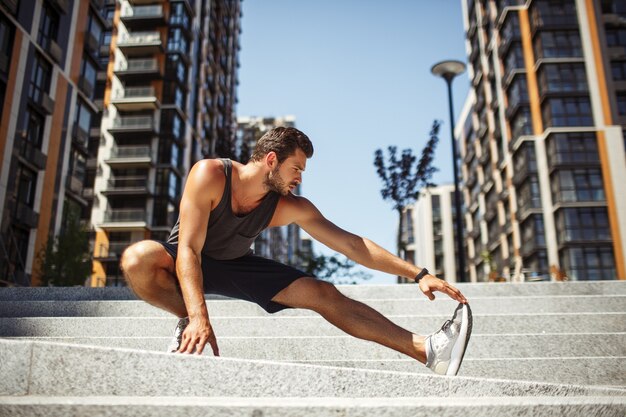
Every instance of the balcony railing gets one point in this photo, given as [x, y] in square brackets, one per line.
[134, 93]
[30, 152]
[131, 152]
[138, 65]
[143, 11]
[128, 184]
[126, 215]
[134, 122]
[140, 38]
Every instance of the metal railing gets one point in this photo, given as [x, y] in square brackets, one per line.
[134, 92]
[125, 215]
[142, 11]
[128, 183]
[134, 122]
[138, 65]
[131, 152]
[140, 38]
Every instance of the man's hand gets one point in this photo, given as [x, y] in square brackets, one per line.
[430, 283]
[197, 334]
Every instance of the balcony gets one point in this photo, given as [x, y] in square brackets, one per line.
[44, 102]
[529, 247]
[142, 17]
[87, 193]
[135, 99]
[125, 219]
[74, 185]
[130, 157]
[127, 186]
[55, 51]
[141, 43]
[529, 208]
[555, 22]
[138, 69]
[140, 2]
[112, 251]
[131, 126]
[521, 173]
[25, 215]
[30, 153]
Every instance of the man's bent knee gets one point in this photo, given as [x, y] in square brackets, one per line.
[142, 256]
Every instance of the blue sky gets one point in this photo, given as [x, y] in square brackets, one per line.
[356, 75]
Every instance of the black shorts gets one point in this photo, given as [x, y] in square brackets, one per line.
[251, 278]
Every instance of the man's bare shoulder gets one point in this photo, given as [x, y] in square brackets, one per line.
[206, 180]
[293, 207]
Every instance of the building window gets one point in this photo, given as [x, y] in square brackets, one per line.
[558, 44]
[621, 103]
[83, 117]
[570, 111]
[588, 263]
[582, 224]
[514, 59]
[553, 13]
[26, 184]
[521, 124]
[48, 26]
[6, 46]
[577, 185]
[615, 36]
[572, 148]
[177, 41]
[562, 78]
[88, 71]
[40, 79]
[518, 91]
[529, 195]
[618, 70]
[613, 7]
[94, 27]
[77, 165]
[179, 16]
[33, 127]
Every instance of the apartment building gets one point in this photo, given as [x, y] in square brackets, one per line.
[429, 232]
[169, 102]
[541, 139]
[104, 107]
[280, 243]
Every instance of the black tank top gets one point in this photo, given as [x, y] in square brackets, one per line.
[230, 236]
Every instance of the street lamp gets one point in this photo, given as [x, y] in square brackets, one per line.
[448, 70]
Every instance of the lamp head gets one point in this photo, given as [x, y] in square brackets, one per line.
[448, 69]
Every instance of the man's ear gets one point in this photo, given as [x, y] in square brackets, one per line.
[271, 160]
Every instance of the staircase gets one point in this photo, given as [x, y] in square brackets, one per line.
[536, 348]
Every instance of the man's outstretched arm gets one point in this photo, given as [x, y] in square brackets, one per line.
[363, 250]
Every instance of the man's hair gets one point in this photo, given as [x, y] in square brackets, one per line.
[283, 141]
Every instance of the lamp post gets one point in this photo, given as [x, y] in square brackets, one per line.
[448, 70]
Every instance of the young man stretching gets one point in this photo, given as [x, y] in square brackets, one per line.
[224, 207]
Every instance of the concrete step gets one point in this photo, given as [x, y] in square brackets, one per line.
[50, 369]
[350, 348]
[442, 306]
[615, 287]
[281, 326]
[106, 406]
[603, 371]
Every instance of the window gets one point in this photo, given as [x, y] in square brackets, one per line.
[83, 116]
[570, 111]
[577, 185]
[514, 59]
[529, 195]
[613, 7]
[553, 13]
[618, 70]
[588, 263]
[33, 127]
[517, 91]
[573, 148]
[562, 78]
[77, 165]
[6, 46]
[558, 44]
[615, 36]
[40, 79]
[88, 71]
[177, 41]
[582, 224]
[48, 26]
[621, 103]
[179, 16]
[521, 124]
[94, 27]
[26, 184]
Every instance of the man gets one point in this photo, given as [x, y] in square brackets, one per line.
[224, 206]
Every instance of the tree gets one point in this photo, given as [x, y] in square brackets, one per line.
[66, 259]
[403, 180]
[330, 268]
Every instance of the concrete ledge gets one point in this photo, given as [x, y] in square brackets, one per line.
[63, 370]
[281, 326]
[106, 406]
[442, 306]
[350, 348]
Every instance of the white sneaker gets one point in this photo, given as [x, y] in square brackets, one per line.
[446, 347]
[178, 335]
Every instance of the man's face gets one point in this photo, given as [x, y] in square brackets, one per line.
[286, 176]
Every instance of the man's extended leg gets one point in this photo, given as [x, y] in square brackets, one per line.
[351, 316]
[150, 272]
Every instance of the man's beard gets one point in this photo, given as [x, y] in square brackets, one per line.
[274, 182]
